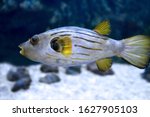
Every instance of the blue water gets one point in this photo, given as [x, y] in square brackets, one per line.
[21, 19]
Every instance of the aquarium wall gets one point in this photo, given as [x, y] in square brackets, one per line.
[21, 19]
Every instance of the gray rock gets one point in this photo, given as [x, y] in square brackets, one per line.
[22, 78]
[21, 84]
[50, 78]
[93, 68]
[22, 72]
[75, 70]
[47, 69]
[146, 74]
[12, 76]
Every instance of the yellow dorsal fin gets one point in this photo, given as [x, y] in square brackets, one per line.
[104, 64]
[103, 28]
[66, 45]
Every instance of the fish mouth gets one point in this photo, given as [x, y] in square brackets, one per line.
[22, 52]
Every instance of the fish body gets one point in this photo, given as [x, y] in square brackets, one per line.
[87, 46]
[71, 46]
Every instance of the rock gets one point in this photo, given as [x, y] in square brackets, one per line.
[22, 78]
[93, 68]
[75, 70]
[20, 73]
[146, 74]
[12, 76]
[47, 69]
[49, 79]
[21, 84]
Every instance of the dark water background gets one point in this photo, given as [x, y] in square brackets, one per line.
[21, 19]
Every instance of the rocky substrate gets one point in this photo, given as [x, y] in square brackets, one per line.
[41, 82]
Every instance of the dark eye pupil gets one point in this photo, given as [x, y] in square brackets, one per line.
[55, 45]
[34, 40]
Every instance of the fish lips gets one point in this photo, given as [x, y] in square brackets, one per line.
[22, 51]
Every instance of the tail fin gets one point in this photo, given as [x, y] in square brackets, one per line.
[137, 50]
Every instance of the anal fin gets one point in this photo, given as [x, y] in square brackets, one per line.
[104, 64]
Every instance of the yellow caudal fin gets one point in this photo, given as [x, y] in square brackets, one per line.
[137, 50]
[103, 28]
[104, 64]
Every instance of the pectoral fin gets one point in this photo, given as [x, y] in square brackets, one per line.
[104, 64]
[66, 45]
[103, 28]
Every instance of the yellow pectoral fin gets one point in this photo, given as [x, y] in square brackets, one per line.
[103, 28]
[66, 45]
[104, 64]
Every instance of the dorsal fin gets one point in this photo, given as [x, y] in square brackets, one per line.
[66, 45]
[103, 28]
[104, 64]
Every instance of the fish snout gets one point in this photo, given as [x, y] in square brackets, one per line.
[22, 51]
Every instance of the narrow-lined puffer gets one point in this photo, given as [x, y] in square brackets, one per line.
[71, 46]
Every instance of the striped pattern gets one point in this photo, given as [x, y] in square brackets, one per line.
[81, 54]
[87, 47]
[80, 34]
[77, 37]
[67, 31]
[85, 43]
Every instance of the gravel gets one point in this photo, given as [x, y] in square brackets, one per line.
[125, 84]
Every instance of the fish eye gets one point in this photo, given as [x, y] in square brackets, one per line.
[34, 40]
[55, 45]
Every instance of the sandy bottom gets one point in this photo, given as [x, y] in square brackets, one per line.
[125, 84]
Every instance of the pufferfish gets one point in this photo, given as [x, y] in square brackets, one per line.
[72, 46]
